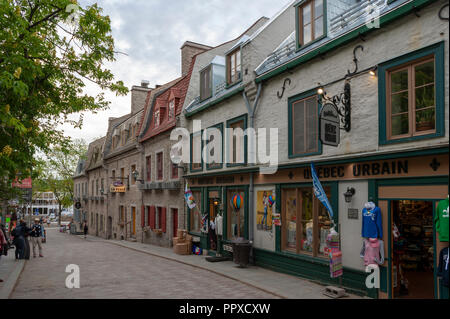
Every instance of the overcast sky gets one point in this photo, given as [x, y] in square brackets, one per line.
[151, 33]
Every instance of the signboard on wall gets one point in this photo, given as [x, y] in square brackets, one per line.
[330, 132]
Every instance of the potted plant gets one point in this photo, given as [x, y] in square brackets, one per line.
[425, 120]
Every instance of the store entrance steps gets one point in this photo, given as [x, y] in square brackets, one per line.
[334, 292]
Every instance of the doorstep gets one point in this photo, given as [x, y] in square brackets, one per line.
[10, 270]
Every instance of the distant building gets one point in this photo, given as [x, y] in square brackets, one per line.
[44, 204]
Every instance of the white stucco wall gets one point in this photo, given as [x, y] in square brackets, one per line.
[350, 229]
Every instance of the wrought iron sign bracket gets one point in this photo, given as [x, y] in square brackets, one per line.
[342, 103]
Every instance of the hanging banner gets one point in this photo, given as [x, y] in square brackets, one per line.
[189, 198]
[319, 192]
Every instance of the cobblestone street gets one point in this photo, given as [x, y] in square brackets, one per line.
[109, 271]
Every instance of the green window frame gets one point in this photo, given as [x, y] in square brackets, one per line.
[192, 169]
[291, 102]
[438, 52]
[216, 165]
[299, 27]
[230, 122]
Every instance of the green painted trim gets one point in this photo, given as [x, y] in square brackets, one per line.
[438, 50]
[278, 210]
[217, 166]
[389, 250]
[191, 142]
[297, 26]
[215, 101]
[244, 118]
[413, 181]
[344, 39]
[291, 101]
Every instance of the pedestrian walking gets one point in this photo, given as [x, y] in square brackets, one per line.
[85, 229]
[36, 234]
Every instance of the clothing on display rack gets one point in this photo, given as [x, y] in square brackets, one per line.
[442, 220]
[372, 251]
[372, 226]
[219, 225]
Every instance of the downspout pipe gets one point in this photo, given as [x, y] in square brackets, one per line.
[252, 113]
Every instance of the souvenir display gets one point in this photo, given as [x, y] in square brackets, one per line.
[372, 226]
[442, 221]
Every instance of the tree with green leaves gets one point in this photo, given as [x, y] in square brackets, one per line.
[49, 50]
[56, 170]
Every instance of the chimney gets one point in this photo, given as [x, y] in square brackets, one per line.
[138, 96]
[188, 51]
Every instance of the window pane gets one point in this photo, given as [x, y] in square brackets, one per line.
[424, 73]
[291, 219]
[307, 33]
[400, 124]
[307, 220]
[399, 81]
[196, 216]
[318, 28]
[298, 127]
[425, 120]
[399, 103]
[318, 9]
[425, 97]
[236, 224]
[307, 14]
[311, 124]
[324, 224]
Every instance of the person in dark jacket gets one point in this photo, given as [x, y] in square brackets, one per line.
[85, 229]
[20, 234]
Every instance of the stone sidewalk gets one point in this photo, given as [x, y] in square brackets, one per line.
[279, 284]
[10, 270]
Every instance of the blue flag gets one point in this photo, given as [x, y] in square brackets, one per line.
[319, 192]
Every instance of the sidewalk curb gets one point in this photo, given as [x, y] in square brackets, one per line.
[195, 266]
[11, 282]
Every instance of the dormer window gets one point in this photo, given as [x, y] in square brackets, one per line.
[311, 21]
[157, 118]
[234, 67]
[171, 109]
[205, 83]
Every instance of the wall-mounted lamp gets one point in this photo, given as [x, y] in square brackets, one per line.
[320, 91]
[373, 71]
[136, 175]
[349, 194]
[216, 202]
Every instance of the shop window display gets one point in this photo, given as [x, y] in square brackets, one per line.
[305, 215]
[235, 217]
[196, 215]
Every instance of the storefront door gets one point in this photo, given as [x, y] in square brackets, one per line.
[133, 221]
[214, 200]
[175, 221]
[413, 257]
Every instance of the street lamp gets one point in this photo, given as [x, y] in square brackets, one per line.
[135, 174]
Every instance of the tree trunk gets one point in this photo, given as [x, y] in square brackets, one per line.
[59, 215]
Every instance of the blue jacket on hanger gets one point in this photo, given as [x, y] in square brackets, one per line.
[372, 226]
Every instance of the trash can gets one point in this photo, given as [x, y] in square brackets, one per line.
[241, 251]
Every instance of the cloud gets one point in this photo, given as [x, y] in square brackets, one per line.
[151, 33]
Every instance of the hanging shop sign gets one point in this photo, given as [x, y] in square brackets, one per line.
[330, 133]
[118, 187]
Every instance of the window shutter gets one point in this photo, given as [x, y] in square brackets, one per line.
[299, 127]
[152, 217]
[142, 216]
[163, 219]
